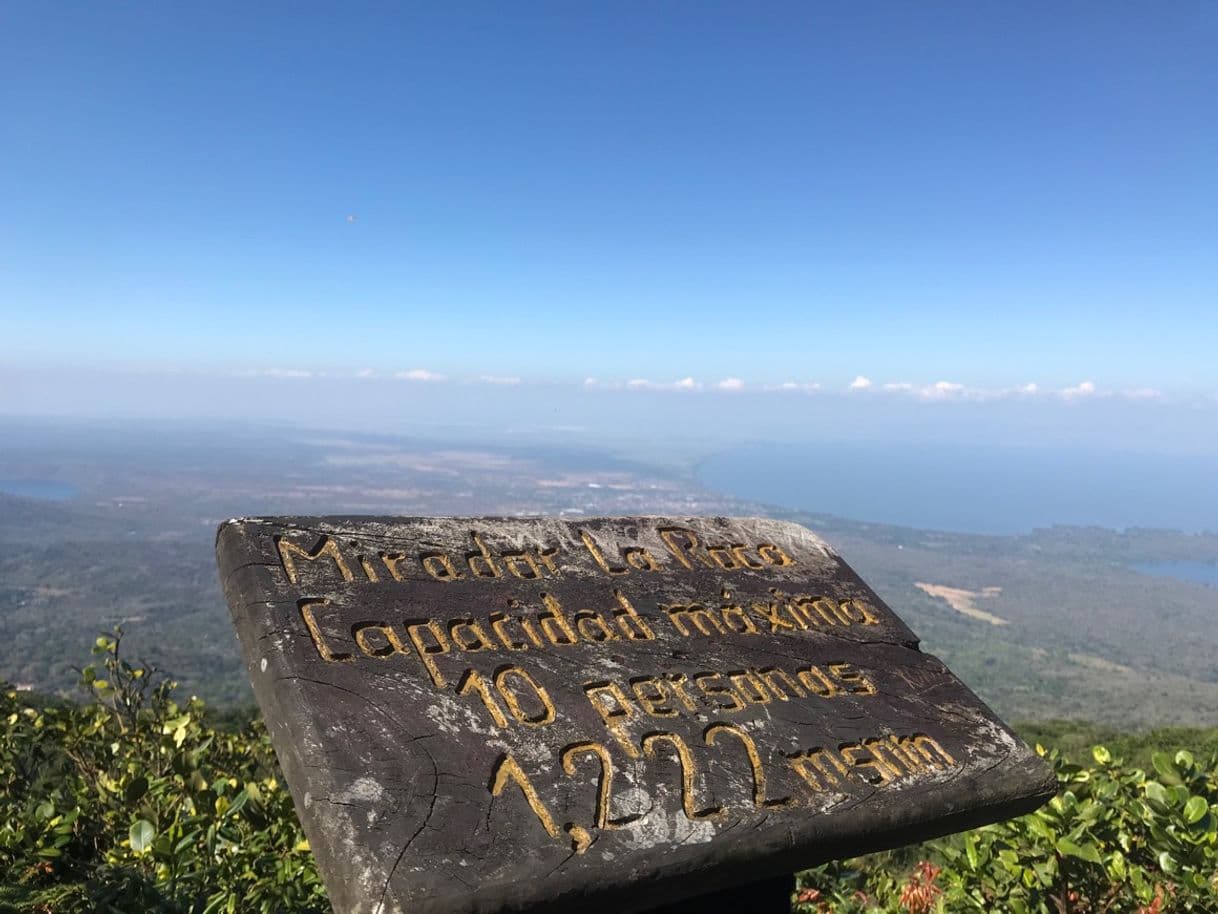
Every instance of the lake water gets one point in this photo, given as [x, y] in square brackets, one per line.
[973, 489]
[42, 489]
[1195, 572]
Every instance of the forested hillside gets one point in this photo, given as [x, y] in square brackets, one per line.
[1080, 632]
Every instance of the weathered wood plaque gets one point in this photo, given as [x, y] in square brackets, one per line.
[503, 714]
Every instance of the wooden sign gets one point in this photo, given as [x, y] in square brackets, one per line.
[499, 714]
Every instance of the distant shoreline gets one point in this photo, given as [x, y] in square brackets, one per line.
[993, 491]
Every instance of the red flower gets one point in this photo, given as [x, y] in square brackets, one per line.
[920, 893]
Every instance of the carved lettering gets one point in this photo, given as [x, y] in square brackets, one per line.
[481, 563]
[653, 696]
[323, 649]
[598, 556]
[604, 781]
[327, 547]
[439, 566]
[554, 622]
[774, 555]
[390, 643]
[705, 682]
[639, 558]
[819, 768]
[521, 565]
[473, 683]
[688, 805]
[614, 708]
[869, 763]
[507, 769]
[633, 625]
[392, 562]
[687, 617]
[426, 651]
[750, 749]
[509, 680]
[468, 635]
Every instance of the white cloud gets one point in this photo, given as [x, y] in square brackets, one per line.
[508, 381]
[936, 391]
[645, 384]
[287, 373]
[418, 374]
[366, 373]
[941, 390]
[1085, 389]
[808, 386]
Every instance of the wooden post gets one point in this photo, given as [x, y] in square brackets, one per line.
[770, 896]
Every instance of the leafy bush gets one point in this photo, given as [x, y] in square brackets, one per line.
[131, 802]
[1114, 840]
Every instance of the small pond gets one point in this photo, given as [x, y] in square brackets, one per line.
[1196, 572]
[41, 489]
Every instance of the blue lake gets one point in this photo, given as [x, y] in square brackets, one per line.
[42, 489]
[973, 489]
[1194, 572]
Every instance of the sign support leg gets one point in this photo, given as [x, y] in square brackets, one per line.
[769, 896]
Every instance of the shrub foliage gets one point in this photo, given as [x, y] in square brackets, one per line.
[131, 801]
[1115, 840]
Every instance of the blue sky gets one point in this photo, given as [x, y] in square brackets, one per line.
[987, 195]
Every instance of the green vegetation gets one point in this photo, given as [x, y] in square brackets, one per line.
[1116, 839]
[1074, 739]
[131, 802]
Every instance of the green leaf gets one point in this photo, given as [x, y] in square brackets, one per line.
[1165, 766]
[170, 725]
[1040, 828]
[1195, 810]
[1156, 795]
[1101, 754]
[1167, 863]
[142, 834]
[136, 789]
[239, 800]
[1088, 852]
